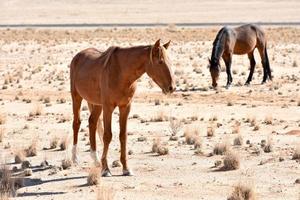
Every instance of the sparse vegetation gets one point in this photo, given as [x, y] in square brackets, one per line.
[238, 141]
[296, 155]
[175, 126]
[210, 131]
[19, 156]
[32, 149]
[2, 118]
[36, 111]
[269, 120]
[94, 176]
[66, 163]
[54, 142]
[221, 148]
[2, 131]
[64, 143]
[242, 192]
[231, 161]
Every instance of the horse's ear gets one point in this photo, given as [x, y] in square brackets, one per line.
[157, 44]
[167, 44]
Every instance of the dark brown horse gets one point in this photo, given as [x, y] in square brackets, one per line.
[240, 40]
[108, 80]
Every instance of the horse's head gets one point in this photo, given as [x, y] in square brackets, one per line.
[214, 68]
[159, 68]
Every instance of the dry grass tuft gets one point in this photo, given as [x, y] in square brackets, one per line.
[158, 148]
[64, 143]
[160, 117]
[32, 149]
[8, 184]
[2, 118]
[268, 146]
[210, 131]
[221, 148]
[231, 161]
[191, 135]
[105, 193]
[175, 126]
[238, 141]
[242, 192]
[54, 142]
[94, 176]
[2, 132]
[296, 154]
[37, 111]
[268, 120]
[66, 163]
[236, 128]
[20, 156]
[155, 145]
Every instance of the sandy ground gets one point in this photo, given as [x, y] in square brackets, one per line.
[147, 11]
[34, 67]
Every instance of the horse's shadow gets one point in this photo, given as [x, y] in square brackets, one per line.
[28, 182]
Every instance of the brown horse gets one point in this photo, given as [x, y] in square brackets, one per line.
[108, 80]
[240, 40]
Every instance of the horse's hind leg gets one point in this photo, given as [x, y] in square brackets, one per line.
[76, 100]
[93, 120]
[261, 51]
[252, 66]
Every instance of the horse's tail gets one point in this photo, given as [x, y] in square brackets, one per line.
[267, 63]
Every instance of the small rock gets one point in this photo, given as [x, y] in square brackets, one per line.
[116, 163]
[248, 142]
[174, 138]
[15, 169]
[44, 163]
[281, 159]
[130, 152]
[297, 181]
[142, 139]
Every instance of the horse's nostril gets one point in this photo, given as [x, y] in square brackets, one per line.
[171, 88]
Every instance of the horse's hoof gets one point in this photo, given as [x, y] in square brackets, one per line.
[263, 82]
[247, 83]
[227, 87]
[127, 172]
[106, 173]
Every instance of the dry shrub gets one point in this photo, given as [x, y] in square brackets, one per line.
[66, 163]
[210, 131]
[8, 184]
[221, 148]
[238, 141]
[236, 128]
[191, 136]
[37, 110]
[32, 149]
[64, 143]
[2, 118]
[242, 192]
[253, 121]
[231, 161]
[105, 193]
[175, 126]
[94, 176]
[296, 154]
[54, 142]
[155, 145]
[160, 117]
[20, 156]
[2, 131]
[159, 148]
[268, 120]
[268, 147]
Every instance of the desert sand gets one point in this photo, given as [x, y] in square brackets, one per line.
[35, 105]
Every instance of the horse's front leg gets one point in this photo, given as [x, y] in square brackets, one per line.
[124, 112]
[252, 66]
[228, 59]
[107, 114]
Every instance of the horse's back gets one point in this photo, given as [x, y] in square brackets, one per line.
[85, 73]
[247, 37]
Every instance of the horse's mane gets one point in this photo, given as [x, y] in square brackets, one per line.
[107, 54]
[217, 48]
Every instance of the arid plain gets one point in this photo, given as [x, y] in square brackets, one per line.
[256, 127]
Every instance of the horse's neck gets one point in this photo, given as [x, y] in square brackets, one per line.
[135, 60]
